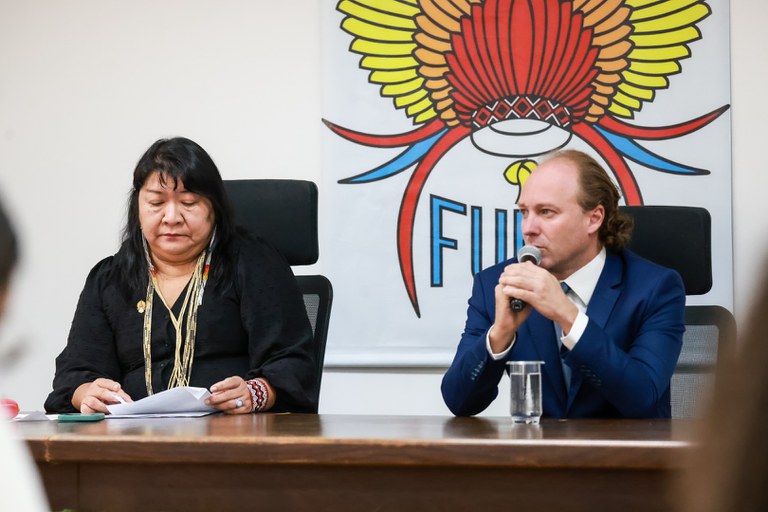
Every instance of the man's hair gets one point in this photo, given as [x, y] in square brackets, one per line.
[598, 189]
[8, 248]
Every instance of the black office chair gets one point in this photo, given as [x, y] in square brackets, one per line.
[706, 327]
[679, 237]
[284, 212]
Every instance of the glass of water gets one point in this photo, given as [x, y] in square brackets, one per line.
[525, 388]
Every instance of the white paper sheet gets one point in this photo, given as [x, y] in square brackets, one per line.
[160, 415]
[35, 416]
[184, 401]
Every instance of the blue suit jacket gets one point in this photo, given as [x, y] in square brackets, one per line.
[621, 366]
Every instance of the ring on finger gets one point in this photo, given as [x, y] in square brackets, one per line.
[238, 403]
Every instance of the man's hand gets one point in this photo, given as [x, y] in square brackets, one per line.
[507, 322]
[538, 289]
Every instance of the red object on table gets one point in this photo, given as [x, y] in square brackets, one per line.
[8, 408]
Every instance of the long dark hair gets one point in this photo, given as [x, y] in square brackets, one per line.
[177, 159]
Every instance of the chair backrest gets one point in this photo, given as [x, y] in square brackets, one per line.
[318, 297]
[679, 237]
[284, 212]
[709, 333]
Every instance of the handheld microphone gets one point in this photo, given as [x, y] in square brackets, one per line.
[526, 253]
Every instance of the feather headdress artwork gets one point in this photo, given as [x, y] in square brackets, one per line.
[520, 78]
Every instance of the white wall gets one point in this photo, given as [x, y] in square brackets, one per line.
[87, 85]
[749, 75]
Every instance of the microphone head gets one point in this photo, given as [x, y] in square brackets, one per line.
[529, 253]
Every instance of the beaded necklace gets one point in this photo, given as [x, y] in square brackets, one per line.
[182, 364]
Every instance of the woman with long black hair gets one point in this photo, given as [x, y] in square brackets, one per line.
[188, 300]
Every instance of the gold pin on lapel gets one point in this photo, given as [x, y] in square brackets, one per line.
[141, 306]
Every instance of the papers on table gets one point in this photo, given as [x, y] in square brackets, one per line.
[176, 402]
[182, 402]
[35, 416]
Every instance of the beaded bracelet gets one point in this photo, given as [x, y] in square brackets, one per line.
[259, 394]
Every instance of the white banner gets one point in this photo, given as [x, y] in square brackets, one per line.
[436, 111]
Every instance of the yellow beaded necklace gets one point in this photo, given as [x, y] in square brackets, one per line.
[182, 364]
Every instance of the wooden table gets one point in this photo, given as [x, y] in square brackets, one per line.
[337, 463]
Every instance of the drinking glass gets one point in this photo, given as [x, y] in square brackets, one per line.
[525, 389]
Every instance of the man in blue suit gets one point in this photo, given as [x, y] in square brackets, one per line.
[607, 323]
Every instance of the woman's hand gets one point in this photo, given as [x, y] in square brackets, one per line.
[233, 396]
[94, 396]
